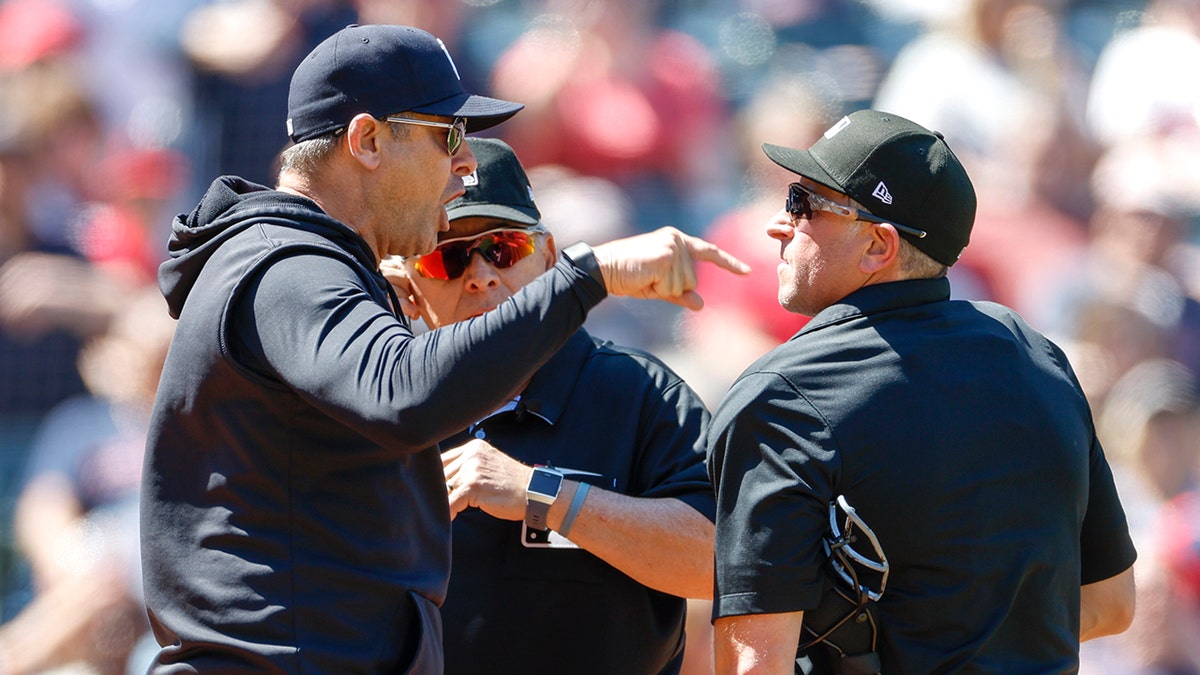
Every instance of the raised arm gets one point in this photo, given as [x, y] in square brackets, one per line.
[660, 265]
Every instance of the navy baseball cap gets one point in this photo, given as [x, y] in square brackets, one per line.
[899, 171]
[382, 70]
[498, 188]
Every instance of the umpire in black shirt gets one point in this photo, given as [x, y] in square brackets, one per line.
[947, 440]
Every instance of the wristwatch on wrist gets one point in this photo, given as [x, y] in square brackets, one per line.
[581, 256]
[543, 488]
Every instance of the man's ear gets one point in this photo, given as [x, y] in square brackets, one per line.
[883, 248]
[551, 251]
[363, 139]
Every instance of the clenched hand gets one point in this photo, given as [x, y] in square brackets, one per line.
[661, 265]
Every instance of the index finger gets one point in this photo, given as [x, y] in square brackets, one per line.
[709, 252]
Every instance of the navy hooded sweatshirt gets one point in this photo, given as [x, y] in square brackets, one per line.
[294, 514]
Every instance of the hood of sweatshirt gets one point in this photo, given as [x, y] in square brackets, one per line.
[232, 205]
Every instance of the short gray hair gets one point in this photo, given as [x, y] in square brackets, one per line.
[306, 158]
[916, 264]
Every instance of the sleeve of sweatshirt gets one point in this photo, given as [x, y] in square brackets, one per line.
[308, 323]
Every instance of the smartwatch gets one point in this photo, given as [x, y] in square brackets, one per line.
[581, 256]
[543, 488]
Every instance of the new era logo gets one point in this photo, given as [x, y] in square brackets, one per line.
[470, 180]
[881, 193]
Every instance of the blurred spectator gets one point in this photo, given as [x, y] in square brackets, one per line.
[1024, 234]
[76, 520]
[123, 234]
[595, 210]
[244, 52]
[742, 318]
[34, 30]
[993, 78]
[1179, 546]
[81, 227]
[440, 17]
[50, 297]
[1144, 83]
[1123, 299]
[842, 44]
[52, 144]
[609, 93]
[137, 78]
[1004, 84]
[1150, 428]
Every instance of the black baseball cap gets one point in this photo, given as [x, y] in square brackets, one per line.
[498, 188]
[899, 170]
[381, 70]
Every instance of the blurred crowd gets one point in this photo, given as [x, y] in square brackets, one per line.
[1079, 121]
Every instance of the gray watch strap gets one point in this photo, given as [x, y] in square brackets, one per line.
[535, 515]
[543, 488]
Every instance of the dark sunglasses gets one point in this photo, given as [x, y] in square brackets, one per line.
[802, 202]
[456, 130]
[502, 248]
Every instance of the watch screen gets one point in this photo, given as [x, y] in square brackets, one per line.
[544, 483]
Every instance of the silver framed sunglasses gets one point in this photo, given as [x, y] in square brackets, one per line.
[456, 130]
[802, 202]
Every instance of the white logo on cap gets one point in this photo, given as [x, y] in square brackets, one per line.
[289, 126]
[470, 180]
[833, 130]
[449, 58]
[530, 188]
[881, 193]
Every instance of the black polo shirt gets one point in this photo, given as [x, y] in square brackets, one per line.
[961, 436]
[633, 426]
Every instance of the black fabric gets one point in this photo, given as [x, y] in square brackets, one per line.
[294, 514]
[844, 627]
[962, 437]
[610, 411]
[498, 188]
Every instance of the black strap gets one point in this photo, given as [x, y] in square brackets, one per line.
[847, 628]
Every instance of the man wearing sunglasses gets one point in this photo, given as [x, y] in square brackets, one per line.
[582, 510]
[951, 438]
[294, 514]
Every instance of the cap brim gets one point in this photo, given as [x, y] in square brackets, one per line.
[480, 112]
[492, 211]
[801, 162]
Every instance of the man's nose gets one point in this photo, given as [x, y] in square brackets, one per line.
[464, 161]
[479, 272]
[782, 226]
